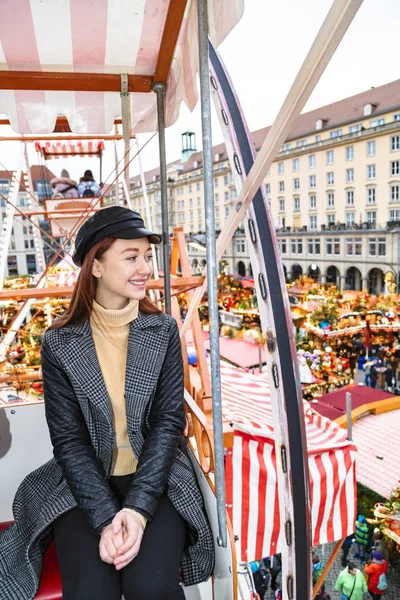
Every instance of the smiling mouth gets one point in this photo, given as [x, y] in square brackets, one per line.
[138, 282]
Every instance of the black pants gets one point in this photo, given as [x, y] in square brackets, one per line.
[152, 575]
[375, 596]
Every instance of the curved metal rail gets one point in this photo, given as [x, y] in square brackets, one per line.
[286, 398]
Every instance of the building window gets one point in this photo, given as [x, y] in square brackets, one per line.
[394, 215]
[395, 142]
[371, 148]
[396, 117]
[367, 109]
[286, 147]
[199, 200]
[349, 175]
[226, 196]
[283, 246]
[350, 219]
[296, 183]
[331, 219]
[313, 222]
[197, 187]
[300, 246]
[26, 242]
[199, 215]
[395, 167]
[371, 246]
[394, 192]
[313, 202]
[216, 198]
[191, 214]
[317, 246]
[371, 171]
[353, 246]
[331, 200]
[296, 201]
[240, 246]
[190, 188]
[281, 168]
[233, 194]
[313, 181]
[217, 212]
[349, 152]
[281, 205]
[317, 138]
[330, 178]
[281, 186]
[216, 182]
[296, 164]
[312, 161]
[371, 195]
[32, 243]
[226, 180]
[293, 246]
[329, 157]
[329, 247]
[381, 246]
[349, 198]
[371, 217]
[226, 211]
[377, 122]
[336, 246]
[301, 143]
[281, 221]
[310, 246]
[336, 133]
[355, 128]
[268, 188]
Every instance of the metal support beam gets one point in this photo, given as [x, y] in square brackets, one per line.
[212, 270]
[159, 89]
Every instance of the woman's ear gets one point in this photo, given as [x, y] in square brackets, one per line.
[96, 271]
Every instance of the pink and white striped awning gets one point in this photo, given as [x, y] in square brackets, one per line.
[102, 37]
[70, 148]
[252, 491]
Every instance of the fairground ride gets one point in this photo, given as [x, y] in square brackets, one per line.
[159, 46]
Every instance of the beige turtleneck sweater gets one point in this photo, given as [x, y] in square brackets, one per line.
[110, 330]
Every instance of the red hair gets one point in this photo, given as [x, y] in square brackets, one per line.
[81, 304]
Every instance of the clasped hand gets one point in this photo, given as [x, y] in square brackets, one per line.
[120, 540]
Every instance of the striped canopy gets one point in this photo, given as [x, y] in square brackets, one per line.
[83, 45]
[251, 475]
[69, 148]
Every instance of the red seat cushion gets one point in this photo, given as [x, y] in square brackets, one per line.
[50, 582]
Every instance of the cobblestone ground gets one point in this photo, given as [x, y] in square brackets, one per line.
[392, 593]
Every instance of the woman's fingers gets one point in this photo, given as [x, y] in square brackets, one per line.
[126, 558]
[117, 523]
[130, 538]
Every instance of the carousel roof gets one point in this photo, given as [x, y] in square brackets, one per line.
[66, 58]
[54, 149]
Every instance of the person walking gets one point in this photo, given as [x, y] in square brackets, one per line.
[346, 546]
[361, 537]
[351, 583]
[120, 497]
[376, 570]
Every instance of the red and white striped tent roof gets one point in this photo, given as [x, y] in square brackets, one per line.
[54, 149]
[252, 490]
[145, 39]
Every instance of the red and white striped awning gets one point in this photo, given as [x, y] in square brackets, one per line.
[69, 148]
[101, 38]
[252, 491]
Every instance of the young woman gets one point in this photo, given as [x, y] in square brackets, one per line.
[120, 496]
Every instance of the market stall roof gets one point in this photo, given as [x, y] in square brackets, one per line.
[377, 441]
[54, 149]
[240, 353]
[251, 469]
[67, 58]
[360, 395]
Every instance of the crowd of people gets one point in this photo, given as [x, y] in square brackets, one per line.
[352, 582]
[65, 187]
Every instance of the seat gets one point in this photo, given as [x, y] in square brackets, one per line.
[50, 582]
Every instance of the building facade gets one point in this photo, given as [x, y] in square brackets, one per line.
[21, 259]
[334, 192]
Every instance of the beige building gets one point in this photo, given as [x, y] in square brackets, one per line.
[334, 191]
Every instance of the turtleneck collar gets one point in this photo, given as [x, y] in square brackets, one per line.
[116, 318]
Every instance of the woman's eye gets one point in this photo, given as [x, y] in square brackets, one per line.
[149, 258]
[132, 258]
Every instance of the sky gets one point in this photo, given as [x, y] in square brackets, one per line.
[263, 55]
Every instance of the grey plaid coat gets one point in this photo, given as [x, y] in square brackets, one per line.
[74, 371]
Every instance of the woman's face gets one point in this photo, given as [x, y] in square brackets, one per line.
[122, 272]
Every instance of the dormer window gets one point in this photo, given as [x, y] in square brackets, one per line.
[195, 164]
[320, 123]
[216, 157]
[368, 108]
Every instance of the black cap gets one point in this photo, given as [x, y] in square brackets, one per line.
[114, 221]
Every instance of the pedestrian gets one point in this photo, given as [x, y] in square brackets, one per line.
[373, 374]
[376, 570]
[367, 372]
[361, 537]
[351, 583]
[346, 546]
[318, 567]
[120, 497]
[380, 544]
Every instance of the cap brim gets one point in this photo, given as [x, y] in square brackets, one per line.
[134, 233]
